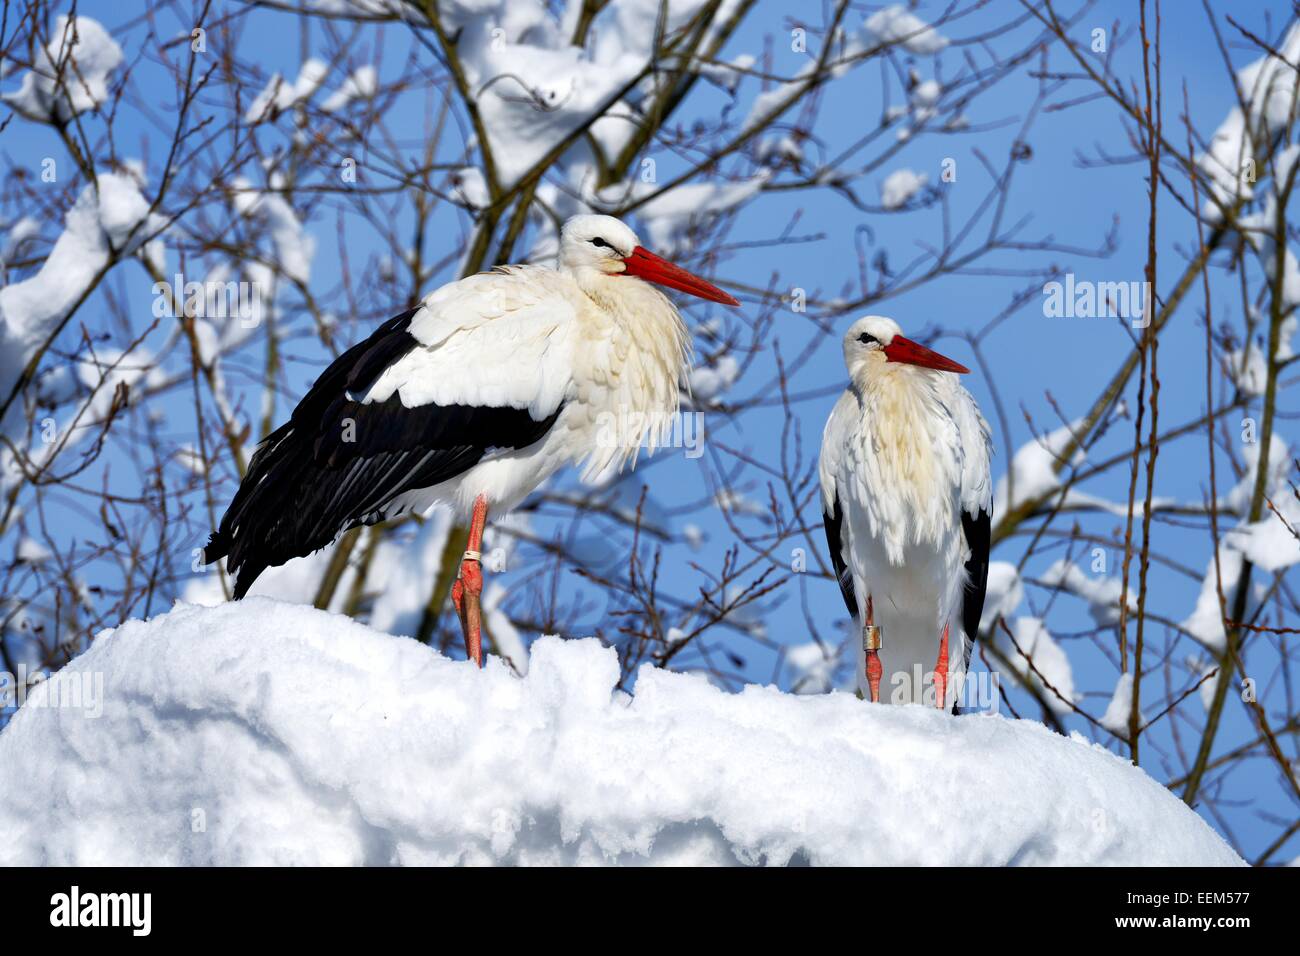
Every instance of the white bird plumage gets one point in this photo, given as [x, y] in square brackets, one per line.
[474, 399]
[561, 352]
[905, 486]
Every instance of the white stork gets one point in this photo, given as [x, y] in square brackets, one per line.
[473, 399]
[907, 500]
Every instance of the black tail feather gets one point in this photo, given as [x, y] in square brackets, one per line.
[218, 547]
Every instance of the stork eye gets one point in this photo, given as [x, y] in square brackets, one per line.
[867, 338]
[600, 243]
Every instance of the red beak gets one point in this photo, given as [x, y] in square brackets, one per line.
[911, 353]
[644, 264]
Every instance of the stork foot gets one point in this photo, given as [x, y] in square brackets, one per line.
[458, 599]
[468, 587]
[941, 672]
[466, 594]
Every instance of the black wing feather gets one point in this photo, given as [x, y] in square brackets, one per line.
[834, 538]
[337, 462]
[977, 529]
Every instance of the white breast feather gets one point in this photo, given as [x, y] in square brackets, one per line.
[901, 459]
[529, 337]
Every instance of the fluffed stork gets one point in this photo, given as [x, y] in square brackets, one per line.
[473, 399]
[907, 500]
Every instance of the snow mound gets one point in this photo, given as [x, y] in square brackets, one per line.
[270, 733]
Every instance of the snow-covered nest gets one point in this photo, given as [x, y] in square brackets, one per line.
[264, 732]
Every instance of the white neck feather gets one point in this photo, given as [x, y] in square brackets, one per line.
[907, 429]
[636, 351]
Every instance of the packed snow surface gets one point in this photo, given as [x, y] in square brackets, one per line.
[269, 733]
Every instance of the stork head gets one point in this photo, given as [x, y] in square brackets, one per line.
[873, 346]
[595, 248]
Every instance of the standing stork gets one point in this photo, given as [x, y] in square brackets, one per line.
[907, 500]
[473, 399]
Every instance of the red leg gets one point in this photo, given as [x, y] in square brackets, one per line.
[458, 599]
[874, 672]
[941, 671]
[467, 590]
[872, 642]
